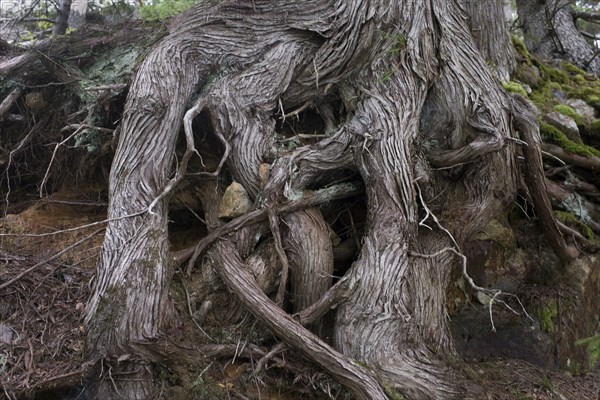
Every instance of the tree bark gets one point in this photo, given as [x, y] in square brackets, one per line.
[488, 28]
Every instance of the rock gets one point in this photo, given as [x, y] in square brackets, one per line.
[235, 202]
[579, 304]
[565, 124]
[494, 259]
[529, 74]
[516, 337]
[6, 334]
[35, 101]
[559, 94]
[582, 108]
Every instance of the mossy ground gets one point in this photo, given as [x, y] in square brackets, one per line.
[554, 84]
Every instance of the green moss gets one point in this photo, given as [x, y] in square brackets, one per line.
[554, 86]
[514, 87]
[519, 45]
[556, 136]
[579, 79]
[573, 69]
[552, 74]
[569, 218]
[566, 110]
[569, 112]
[547, 316]
[593, 129]
[542, 99]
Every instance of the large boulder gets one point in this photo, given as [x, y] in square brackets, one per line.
[565, 124]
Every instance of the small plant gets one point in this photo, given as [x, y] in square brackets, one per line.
[592, 345]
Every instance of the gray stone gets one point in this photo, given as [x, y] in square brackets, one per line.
[6, 334]
[565, 124]
[582, 108]
[235, 202]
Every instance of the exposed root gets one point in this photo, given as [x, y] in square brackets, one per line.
[525, 122]
[355, 377]
[187, 155]
[310, 199]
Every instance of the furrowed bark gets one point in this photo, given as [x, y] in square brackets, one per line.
[413, 88]
[358, 379]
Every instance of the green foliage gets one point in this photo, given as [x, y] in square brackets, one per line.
[162, 9]
[554, 135]
[592, 345]
[514, 87]
[547, 316]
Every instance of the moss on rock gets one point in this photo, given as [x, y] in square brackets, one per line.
[556, 136]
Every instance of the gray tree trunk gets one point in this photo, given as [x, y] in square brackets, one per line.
[488, 28]
[78, 12]
[550, 32]
[62, 19]
[417, 99]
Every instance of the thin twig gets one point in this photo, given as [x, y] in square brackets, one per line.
[278, 348]
[43, 184]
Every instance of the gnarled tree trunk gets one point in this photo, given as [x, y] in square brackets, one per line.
[418, 113]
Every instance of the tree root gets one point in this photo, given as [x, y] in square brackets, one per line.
[310, 199]
[525, 122]
[356, 378]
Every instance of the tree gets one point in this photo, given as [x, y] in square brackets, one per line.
[340, 156]
[62, 19]
[488, 28]
[551, 31]
[404, 96]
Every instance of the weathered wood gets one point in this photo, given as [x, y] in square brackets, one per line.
[412, 86]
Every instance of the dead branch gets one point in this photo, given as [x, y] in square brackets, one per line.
[525, 122]
[9, 101]
[586, 15]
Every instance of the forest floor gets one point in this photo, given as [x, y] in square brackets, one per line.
[42, 337]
